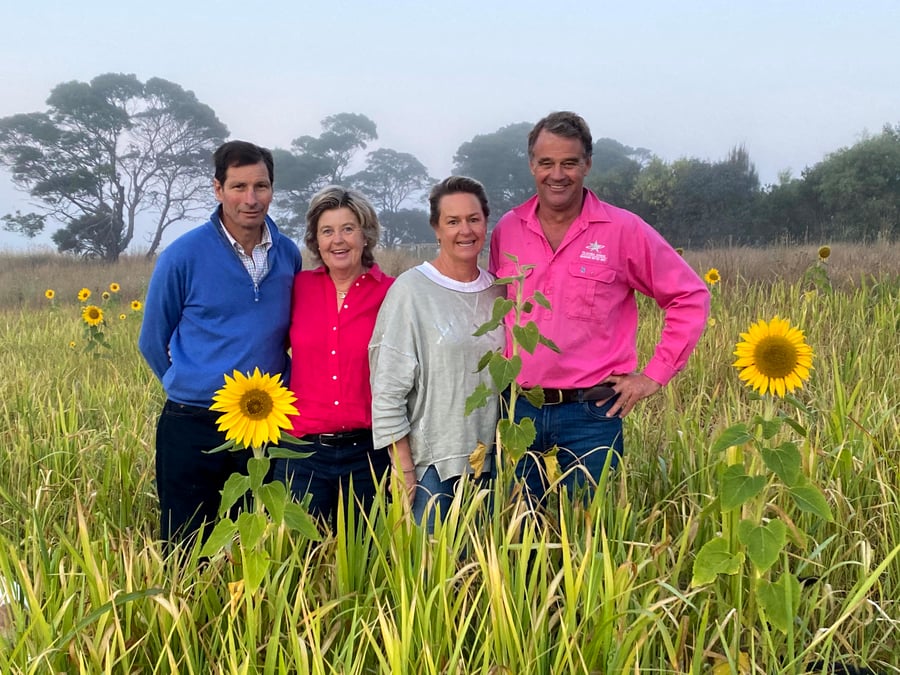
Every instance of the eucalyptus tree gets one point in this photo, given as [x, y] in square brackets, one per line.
[106, 151]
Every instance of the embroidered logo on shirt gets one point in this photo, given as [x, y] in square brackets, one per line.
[592, 252]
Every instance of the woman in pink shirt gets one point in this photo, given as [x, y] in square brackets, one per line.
[332, 316]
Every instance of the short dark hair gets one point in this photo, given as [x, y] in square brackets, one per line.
[451, 186]
[566, 124]
[241, 153]
[336, 197]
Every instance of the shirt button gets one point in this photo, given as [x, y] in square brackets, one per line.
[334, 377]
[336, 403]
[334, 328]
[333, 352]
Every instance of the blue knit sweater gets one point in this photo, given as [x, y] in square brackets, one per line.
[204, 317]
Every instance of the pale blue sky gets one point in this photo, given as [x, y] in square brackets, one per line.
[790, 80]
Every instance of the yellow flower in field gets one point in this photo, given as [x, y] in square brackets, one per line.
[136, 305]
[49, 294]
[72, 344]
[121, 317]
[712, 276]
[774, 357]
[105, 295]
[84, 294]
[92, 315]
[114, 287]
[255, 408]
[679, 251]
[824, 252]
[711, 321]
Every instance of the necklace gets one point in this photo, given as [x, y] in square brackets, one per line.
[342, 294]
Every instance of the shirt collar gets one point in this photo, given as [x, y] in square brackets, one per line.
[265, 241]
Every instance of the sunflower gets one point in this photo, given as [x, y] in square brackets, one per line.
[114, 287]
[121, 317]
[105, 295]
[255, 408]
[49, 294]
[84, 294]
[679, 251]
[824, 252]
[774, 357]
[712, 276]
[92, 315]
[136, 305]
[72, 344]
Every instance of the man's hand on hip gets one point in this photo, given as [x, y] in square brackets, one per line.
[631, 388]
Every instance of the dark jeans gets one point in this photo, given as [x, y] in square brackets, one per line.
[585, 435]
[434, 495]
[326, 475]
[187, 480]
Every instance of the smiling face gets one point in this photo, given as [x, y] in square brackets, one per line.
[461, 230]
[341, 242]
[559, 166]
[245, 196]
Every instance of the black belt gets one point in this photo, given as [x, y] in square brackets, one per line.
[598, 392]
[340, 438]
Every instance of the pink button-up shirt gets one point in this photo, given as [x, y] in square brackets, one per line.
[330, 351]
[607, 254]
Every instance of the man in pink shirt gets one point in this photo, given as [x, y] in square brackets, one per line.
[589, 258]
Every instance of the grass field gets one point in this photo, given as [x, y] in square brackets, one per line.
[608, 588]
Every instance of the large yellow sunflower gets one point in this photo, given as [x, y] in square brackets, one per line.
[255, 408]
[773, 357]
[84, 294]
[712, 276]
[92, 315]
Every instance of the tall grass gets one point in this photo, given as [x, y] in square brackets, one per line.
[597, 589]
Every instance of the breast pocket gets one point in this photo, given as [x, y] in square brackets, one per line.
[589, 291]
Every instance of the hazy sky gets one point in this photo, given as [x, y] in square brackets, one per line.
[791, 80]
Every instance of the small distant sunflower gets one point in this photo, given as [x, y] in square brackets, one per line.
[114, 287]
[136, 305]
[84, 294]
[679, 251]
[92, 315]
[105, 295]
[711, 321]
[712, 276]
[72, 344]
[49, 294]
[255, 408]
[774, 357]
[824, 252]
[121, 317]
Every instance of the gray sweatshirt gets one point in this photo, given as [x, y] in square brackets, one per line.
[423, 359]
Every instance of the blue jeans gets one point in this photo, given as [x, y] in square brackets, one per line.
[327, 473]
[587, 439]
[433, 495]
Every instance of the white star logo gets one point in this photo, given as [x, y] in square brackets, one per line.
[593, 247]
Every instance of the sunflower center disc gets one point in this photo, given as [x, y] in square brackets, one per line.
[776, 356]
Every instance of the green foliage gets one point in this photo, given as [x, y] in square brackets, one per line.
[601, 587]
[500, 161]
[515, 437]
[106, 151]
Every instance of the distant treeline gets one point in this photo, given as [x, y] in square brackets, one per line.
[106, 151]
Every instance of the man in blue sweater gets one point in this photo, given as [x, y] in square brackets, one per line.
[219, 300]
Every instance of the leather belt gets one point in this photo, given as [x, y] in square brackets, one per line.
[598, 392]
[340, 438]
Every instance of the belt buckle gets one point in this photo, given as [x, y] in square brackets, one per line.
[559, 397]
